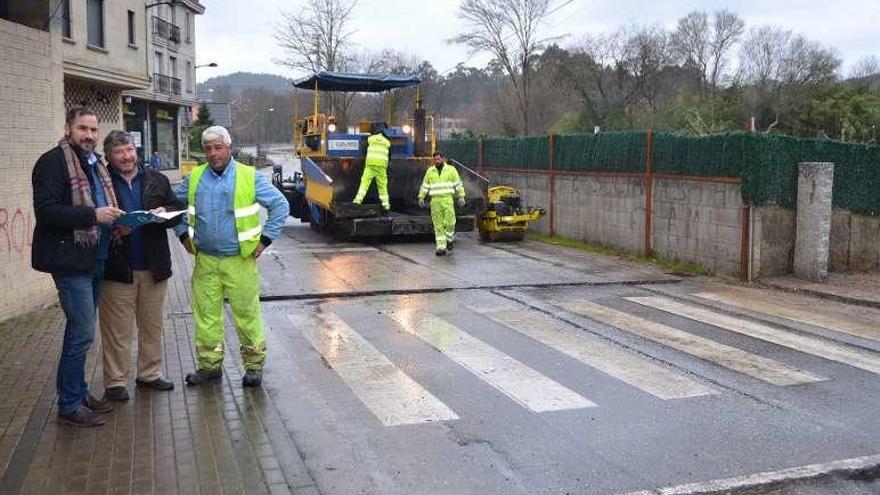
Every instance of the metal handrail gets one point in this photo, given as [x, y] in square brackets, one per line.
[166, 84]
[163, 29]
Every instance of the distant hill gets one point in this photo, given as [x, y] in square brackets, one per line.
[240, 81]
[873, 81]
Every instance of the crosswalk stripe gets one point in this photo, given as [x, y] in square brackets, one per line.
[594, 352]
[824, 349]
[521, 383]
[795, 314]
[735, 359]
[391, 395]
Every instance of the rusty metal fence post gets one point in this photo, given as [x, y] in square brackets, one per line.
[649, 192]
[551, 177]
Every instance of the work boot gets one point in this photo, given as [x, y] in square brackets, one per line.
[97, 405]
[157, 384]
[203, 376]
[82, 417]
[252, 378]
[440, 252]
[116, 393]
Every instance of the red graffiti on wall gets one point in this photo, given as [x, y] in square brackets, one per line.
[16, 230]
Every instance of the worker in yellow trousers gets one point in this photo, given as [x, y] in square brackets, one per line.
[376, 167]
[442, 184]
[226, 236]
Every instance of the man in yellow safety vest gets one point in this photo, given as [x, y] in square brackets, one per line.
[441, 184]
[376, 167]
[225, 235]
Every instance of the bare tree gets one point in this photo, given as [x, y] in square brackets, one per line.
[511, 31]
[692, 42]
[774, 56]
[646, 54]
[865, 67]
[704, 46]
[783, 70]
[315, 37]
[727, 30]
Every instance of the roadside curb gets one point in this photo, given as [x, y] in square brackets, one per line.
[864, 469]
[822, 294]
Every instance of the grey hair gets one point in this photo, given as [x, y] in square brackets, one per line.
[216, 132]
[116, 138]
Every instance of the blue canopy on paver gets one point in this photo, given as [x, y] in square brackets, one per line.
[356, 83]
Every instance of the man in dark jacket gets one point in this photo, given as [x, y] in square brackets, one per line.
[136, 275]
[74, 205]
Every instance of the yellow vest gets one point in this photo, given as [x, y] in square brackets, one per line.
[247, 210]
[445, 183]
[378, 147]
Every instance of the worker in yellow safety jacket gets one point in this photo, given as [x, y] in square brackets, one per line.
[442, 183]
[376, 167]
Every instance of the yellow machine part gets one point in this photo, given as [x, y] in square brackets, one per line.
[319, 194]
[494, 227]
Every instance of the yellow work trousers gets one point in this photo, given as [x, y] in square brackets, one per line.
[238, 278]
[443, 218]
[380, 174]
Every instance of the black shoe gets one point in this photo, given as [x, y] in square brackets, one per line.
[116, 393]
[203, 376]
[96, 405]
[82, 417]
[450, 246]
[440, 252]
[157, 384]
[252, 378]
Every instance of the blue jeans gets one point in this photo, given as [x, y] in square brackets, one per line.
[79, 298]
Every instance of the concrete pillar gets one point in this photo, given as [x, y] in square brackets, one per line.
[812, 239]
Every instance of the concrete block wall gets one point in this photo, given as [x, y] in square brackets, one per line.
[32, 121]
[772, 240]
[854, 243]
[698, 222]
[602, 210]
[695, 222]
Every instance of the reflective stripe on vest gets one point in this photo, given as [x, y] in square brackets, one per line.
[246, 208]
[377, 150]
[442, 183]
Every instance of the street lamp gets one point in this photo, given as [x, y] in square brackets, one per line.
[210, 64]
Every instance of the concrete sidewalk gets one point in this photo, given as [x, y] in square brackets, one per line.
[854, 288]
[221, 439]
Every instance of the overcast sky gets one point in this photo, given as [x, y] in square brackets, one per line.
[238, 34]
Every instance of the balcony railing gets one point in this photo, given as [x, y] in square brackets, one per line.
[166, 84]
[164, 30]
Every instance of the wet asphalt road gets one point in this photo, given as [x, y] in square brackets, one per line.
[526, 368]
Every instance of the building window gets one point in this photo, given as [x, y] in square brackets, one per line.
[65, 18]
[187, 20]
[189, 76]
[159, 63]
[95, 21]
[131, 27]
[172, 63]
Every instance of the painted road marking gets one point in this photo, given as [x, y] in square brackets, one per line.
[753, 482]
[521, 383]
[596, 353]
[810, 345]
[735, 359]
[391, 395]
[795, 314]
